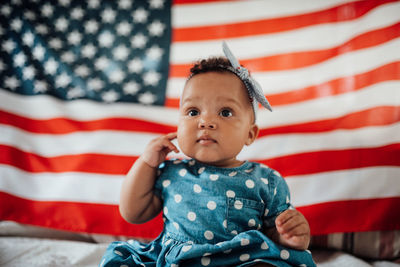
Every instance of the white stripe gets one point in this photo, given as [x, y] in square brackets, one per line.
[318, 37]
[365, 183]
[133, 144]
[77, 187]
[217, 13]
[47, 107]
[281, 145]
[348, 64]
[332, 107]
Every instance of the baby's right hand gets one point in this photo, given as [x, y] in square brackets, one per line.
[158, 149]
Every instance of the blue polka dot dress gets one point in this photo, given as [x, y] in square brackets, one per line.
[213, 217]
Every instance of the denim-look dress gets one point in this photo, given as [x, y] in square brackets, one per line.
[213, 217]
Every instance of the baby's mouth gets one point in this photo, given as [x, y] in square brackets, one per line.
[206, 140]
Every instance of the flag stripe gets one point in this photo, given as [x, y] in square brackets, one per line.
[312, 162]
[273, 25]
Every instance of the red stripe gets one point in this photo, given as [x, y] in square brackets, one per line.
[311, 162]
[353, 216]
[332, 160]
[377, 116]
[268, 26]
[77, 217]
[388, 72]
[303, 59]
[64, 125]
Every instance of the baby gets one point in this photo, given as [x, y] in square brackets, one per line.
[218, 210]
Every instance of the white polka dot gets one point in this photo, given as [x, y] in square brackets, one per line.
[244, 257]
[214, 177]
[238, 204]
[275, 191]
[266, 212]
[178, 198]
[277, 173]
[191, 163]
[232, 174]
[186, 248]
[265, 180]
[230, 193]
[173, 265]
[249, 170]
[176, 225]
[234, 232]
[182, 172]
[177, 161]
[191, 216]
[225, 224]
[197, 188]
[166, 183]
[252, 223]
[287, 200]
[227, 251]
[123, 265]
[303, 265]
[211, 205]
[165, 210]
[118, 252]
[201, 170]
[285, 254]
[208, 235]
[205, 261]
[264, 246]
[250, 183]
[206, 254]
[168, 242]
[244, 242]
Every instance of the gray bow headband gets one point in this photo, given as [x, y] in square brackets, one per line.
[253, 87]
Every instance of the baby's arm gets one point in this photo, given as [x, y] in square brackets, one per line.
[138, 203]
[292, 230]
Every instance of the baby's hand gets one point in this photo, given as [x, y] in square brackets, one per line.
[293, 229]
[158, 149]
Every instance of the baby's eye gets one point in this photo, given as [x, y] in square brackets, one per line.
[193, 112]
[226, 113]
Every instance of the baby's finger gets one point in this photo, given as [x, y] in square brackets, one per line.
[285, 216]
[171, 136]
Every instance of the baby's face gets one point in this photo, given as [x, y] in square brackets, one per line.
[216, 119]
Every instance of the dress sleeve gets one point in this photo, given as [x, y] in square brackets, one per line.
[278, 200]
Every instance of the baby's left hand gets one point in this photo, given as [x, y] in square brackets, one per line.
[293, 229]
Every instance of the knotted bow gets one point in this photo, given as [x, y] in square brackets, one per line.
[254, 88]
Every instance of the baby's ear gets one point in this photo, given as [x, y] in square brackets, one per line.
[253, 133]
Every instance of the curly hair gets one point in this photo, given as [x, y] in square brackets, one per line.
[212, 64]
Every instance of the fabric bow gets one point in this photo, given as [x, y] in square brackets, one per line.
[254, 88]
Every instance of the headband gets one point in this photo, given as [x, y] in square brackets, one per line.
[253, 87]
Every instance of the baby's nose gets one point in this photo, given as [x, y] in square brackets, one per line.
[203, 124]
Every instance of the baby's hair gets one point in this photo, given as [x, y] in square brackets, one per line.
[212, 64]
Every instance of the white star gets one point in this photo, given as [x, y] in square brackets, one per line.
[68, 57]
[75, 93]
[131, 88]
[108, 15]
[12, 83]
[151, 78]
[82, 70]
[65, 2]
[77, 13]
[28, 73]
[117, 76]
[61, 24]
[47, 10]
[30, 15]
[121, 52]
[2, 65]
[138, 41]
[147, 98]
[156, 4]
[106, 39]
[102, 63]
[51, 66]
[16, 24]
[9, 46]
[154, 52]
[55, 43]
[5, 10]
[124, 4]
[39, 86]
[124, 28]
[19, 59]
[135, 65]
[42, 29]
[110, 96]
[38, 52]
[74, 38]
[62, 80]
[156, 28]
[140, 15]
[93, 3]
[28, 38]
[91, 26]
[89, 50]
[95, 84]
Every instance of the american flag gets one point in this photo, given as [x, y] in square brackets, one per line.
[85, 85]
